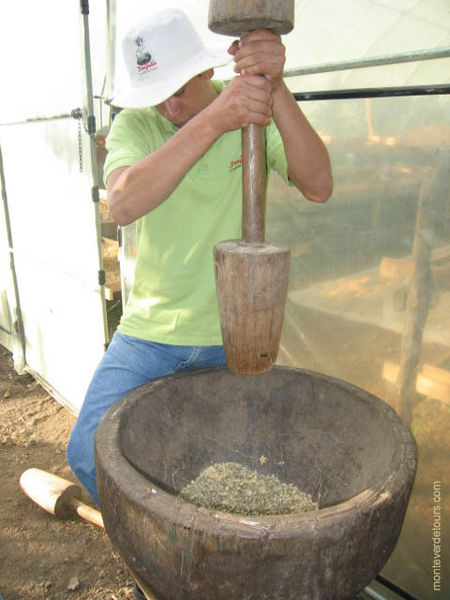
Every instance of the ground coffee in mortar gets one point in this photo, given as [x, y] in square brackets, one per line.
[231, 487]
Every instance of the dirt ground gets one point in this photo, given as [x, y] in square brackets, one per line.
[43, 557]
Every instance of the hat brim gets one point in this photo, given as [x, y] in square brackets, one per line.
[155, 93]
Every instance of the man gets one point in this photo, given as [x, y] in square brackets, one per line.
[174, 166]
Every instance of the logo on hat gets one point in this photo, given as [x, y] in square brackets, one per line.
[144, 60]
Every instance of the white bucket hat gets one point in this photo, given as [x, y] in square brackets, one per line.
[162, 54]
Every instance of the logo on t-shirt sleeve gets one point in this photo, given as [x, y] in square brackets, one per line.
[235, 164]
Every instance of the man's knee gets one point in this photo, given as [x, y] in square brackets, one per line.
[80, 451]
[72, 452]
[80, 456]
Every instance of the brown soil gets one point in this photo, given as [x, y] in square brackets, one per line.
[42, 556]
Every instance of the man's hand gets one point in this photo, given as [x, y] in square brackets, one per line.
[259, 59]
[260, 52]
[247, 99]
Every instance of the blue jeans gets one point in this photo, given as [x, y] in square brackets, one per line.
[127, 364]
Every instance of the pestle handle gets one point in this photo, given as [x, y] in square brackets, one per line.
[86, 512]
[253, 184]
[237, 18]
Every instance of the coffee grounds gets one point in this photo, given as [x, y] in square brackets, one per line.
[231, 487]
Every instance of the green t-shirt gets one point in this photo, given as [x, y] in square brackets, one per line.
[173, 300]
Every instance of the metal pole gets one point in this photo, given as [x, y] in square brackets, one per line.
[376, 61]
[373, 594]
[379, 92]
[37, 119]
[84, 4]
[18, 324]
[111, 11]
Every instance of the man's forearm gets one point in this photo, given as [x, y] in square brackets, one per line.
[136, 190]
[308, 161]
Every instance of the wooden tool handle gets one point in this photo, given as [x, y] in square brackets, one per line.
[253, 184]
[86, 512]
[57, 496]
[238, 18]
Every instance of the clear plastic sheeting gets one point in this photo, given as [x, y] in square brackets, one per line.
[352, 258]
[330, 31]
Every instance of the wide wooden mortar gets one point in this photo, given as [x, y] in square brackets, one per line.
[344, 446]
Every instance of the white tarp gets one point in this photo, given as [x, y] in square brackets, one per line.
[50, 204]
